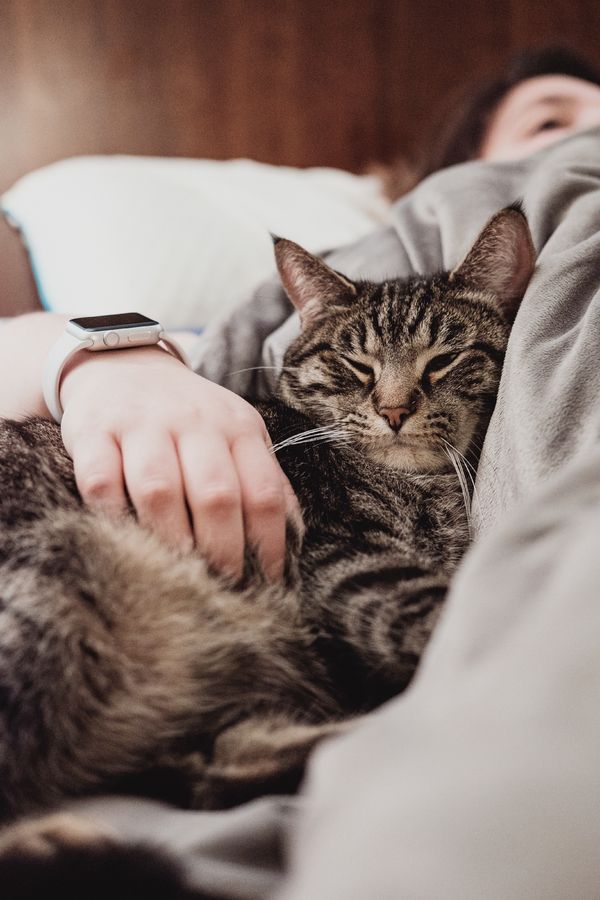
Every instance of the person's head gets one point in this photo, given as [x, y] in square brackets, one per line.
[537, 112]
[541, 96]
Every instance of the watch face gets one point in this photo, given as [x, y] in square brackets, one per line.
[112, 323]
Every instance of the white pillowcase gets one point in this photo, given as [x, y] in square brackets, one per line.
[180, 240]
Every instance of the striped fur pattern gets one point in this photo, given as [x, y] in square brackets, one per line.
[120, 658]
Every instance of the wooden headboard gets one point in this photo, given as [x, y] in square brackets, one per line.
[18, 293]
[296, 82]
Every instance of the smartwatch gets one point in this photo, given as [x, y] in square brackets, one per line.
[122, 331]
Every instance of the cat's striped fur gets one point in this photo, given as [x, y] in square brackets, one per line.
[117, 657]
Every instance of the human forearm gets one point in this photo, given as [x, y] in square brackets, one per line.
[192, 457]
[24, 345]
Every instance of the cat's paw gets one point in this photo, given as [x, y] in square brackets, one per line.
[260, 755]
[65, 856]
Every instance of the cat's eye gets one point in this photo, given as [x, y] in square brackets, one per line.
[440, 362]
[435, 368]
[360, 368]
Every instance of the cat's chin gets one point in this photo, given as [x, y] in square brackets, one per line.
[406, 458]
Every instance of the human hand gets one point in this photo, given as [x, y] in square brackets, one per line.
[193, 457]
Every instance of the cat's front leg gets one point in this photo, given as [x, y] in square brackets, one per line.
[263, 754]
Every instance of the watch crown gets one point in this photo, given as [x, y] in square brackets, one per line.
[111, 339]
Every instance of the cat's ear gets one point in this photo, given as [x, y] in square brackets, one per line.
[313, 287]
[501, 260]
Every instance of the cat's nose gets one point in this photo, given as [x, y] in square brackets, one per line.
[395, 415]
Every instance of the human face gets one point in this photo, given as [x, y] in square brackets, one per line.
[537, 112]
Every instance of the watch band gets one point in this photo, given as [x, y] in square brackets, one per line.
[68, 345]
[175, 348]
[63, 350]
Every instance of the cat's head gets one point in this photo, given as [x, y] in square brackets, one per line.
[406, 367]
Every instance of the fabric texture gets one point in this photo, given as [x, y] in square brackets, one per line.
[482, 779]
[237, 854]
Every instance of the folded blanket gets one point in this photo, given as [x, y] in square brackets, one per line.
[481, 780]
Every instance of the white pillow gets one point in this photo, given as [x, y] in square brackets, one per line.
[180, 240]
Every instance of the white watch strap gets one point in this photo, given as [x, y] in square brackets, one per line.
[175, 348]
[63, 350]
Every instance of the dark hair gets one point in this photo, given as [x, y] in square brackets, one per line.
[465, 128]
[457, 135]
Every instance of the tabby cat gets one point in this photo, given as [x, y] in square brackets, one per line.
[124, 664]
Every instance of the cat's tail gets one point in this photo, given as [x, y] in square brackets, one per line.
[114, 650]
[65, 855]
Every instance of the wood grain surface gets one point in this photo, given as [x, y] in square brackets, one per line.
[297, 82]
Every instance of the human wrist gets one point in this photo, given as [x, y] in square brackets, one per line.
[93, 334]
[88, 367]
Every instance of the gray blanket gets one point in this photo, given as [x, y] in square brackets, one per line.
[482, 780]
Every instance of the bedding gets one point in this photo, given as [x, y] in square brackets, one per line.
[482, 779]
[184, 240]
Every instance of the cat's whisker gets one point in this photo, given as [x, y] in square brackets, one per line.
[320, 429]
[258, 368]
[456, 461]
[472, 471]
[470, 468]
[476, 453]
[287, 433]
[477, 445]
[315, 440]
[292, 442]
[324, 433]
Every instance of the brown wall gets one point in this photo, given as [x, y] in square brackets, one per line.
[299, 82]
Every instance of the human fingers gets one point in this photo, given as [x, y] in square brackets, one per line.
[213, 494]
[263, 502]
[154, 483]
[98, 471]
[292, 507]
[293, 511]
